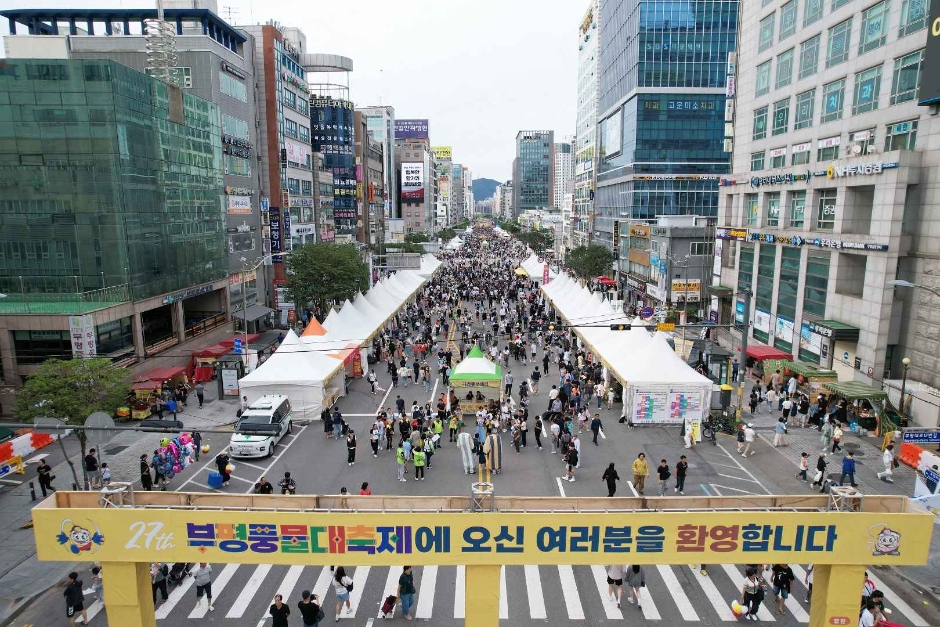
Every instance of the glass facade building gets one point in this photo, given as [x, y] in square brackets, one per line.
[332, 123]
[112, 182]
[533, 178]
[661, 122]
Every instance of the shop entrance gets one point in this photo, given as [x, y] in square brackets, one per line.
[840, 534]
[203, 313]
[159, 333]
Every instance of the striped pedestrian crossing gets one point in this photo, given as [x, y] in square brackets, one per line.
[672, 594]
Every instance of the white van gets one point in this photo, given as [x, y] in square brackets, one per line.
[261, 427]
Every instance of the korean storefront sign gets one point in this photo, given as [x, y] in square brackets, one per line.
[639, 230]
[274, 220]
[861, 169]
[183, 295]
[82, 333]
[819, 242]
[310, 538]
[781, 179]
[635, 285]
[238, 204]
[689, 291]
[737, 235]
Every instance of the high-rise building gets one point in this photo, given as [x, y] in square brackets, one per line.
[831, 195]
[370, 183]
[533, 171]
[564, 171]
[380, 121]
[457, 182]
[215, 62]
[468, 203]
[323, 200]
[107, 250]
[585, 155]
[416, 192]
[334, 135]
[445, 193]
[661, 117]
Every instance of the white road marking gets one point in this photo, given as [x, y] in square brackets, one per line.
[533, 585]
[278, 457]
[503, 600]
[384, 398]
[36, 458]
[243, 462]
[218, 584]
[178, 593]
[92, 611]
[287, 586]
[234, 476]
[714, 596]
[610, 607]
[632, 489]
[904, 608]
[460, 591]
[678, 594]
[11, 481]
[736, 578]
[569, 589]
[322, 586]
[645, 599]
[355, 597]
[248, 591]
[391, 587]
[560, 488]
[197, 474]
[735, 477]
[740, 466]
[426, 592]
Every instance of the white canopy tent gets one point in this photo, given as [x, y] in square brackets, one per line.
[536, 269]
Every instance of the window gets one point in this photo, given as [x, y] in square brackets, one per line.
[290, 98]
[828, 149]
[293, 186]
[816, 283]
[905, 83]
[805, 105]
[812, 11]
[809, 56]
[874, 27]
[233, 87]
[778, 158]
[901, 136]
[766, 36]
[784, 69]
[781, 116]
[787, 290]
[757, 161]
[864, 139]
[304, 133]
[234, 127]
[290, 128]
[787, 19]
[701, 249]
[867, 90]
[752, 209]
[35, 347]
[236, 165]
[833, 95]
[306, 189]
[800, 158]
[838, 43]
[913, 16]
[797, 205]
[773, 208]
[764, 292]
[746, 268]
[837, 4]
[826, 209]
[763, 78]
[302, 105]
[760, 123]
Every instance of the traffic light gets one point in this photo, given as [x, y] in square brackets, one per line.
[620, 327]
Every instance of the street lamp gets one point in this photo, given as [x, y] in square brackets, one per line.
[903, 283]
[905, 364]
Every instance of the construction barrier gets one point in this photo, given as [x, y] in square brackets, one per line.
[25, 445]
[910, 455]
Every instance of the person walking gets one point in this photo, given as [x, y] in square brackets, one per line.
[44, 471]
[374, 440]
[465, 446]
[640, 472]
[341, 586]
[750, 594]
[825, 435]
[596, 426]
[804, 467]
[406, 591]
[781, 579]
[309, 606]
[351, 447]
[808, 582]
[780, 432]
[75, 599]
[538, 431]
[682, 468]
[748, 439]
[145, 479]
[611, 477]
[197, 444]
[615, 575]
[91, 469]
[740, 438]
[837, 438]
[507, 379]
[202, 576]
[848, 469]
[222, 462]
[664, 473]
[158, 573]
[887, 458]
[571, 459]
[372, 381]
[279, 612]
[820, 477]
[635, 579]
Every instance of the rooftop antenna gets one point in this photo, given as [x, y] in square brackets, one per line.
[230, 14]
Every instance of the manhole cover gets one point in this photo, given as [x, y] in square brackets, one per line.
[114, 450]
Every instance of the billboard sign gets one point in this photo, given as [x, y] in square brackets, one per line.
[930, 82]
[296, 153]
[613, 128]
[443, 153]
[82, 333]
[411, 129]
[412, 182]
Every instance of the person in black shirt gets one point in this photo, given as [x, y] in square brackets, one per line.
[264, 486]
[45, 477]
[145, 479]
[681, 468]
[279, 612]
[782, 576]
[309, 608]
[91, 469]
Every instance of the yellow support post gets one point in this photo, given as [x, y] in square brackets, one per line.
[836, 593]
[128, 594]
[482, 596]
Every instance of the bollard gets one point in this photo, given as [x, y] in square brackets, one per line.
[32, 491]
[74, 487]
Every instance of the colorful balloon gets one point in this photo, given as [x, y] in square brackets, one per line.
[737, 609]
[205, 448]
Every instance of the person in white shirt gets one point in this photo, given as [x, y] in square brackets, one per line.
[871, 615]
[748, 439]
[556, 432]
[887, 458]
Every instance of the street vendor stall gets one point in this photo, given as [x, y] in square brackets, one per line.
[480, 378]
[202, 367]
[868, 406]
[765, 360]
[147, 387]
[810, 377]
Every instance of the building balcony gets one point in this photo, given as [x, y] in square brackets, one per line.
[63, 303]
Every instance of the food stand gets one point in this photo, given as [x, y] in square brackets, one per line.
[204, 360]
[810, 376]
[147, 387]
[767, 359]
[478, 376]
[869, 406]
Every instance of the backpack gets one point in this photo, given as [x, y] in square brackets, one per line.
[165, 570]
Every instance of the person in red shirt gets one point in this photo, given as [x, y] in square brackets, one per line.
[365, 490]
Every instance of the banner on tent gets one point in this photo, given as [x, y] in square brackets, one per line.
[474, 384]
[666, 407]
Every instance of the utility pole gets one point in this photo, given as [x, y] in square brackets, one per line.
[742, 369]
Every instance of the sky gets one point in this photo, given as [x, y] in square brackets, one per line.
[479, 70]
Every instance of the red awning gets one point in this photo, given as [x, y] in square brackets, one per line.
[606, 280]
[767, 352]
[160, 374]
[213, 351]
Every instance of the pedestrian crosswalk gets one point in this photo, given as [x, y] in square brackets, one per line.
[672, 594]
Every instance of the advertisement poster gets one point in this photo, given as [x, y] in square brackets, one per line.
[809, 341]
[650, 407]
[783, 329]
[613, 128]
[684, 405]
[412, 182]
[739, 311]
[229, 382]
[239, 204]
[762, 320]
[411, 129]
[296, 153]
[443, 153]
[82, 332]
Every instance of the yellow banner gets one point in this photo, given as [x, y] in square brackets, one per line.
[443, 153]
[145, 535]
[474, 384]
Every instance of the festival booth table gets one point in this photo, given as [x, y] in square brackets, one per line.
[477, 375]
[147, 386]
[810, 377]
[310, 379]
[769, 357]
[868, 406]
[204, 360]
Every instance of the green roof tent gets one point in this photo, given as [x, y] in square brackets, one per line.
[855, 391]
[476, 371]
[810, 371]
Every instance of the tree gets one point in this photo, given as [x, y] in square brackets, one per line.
[447, 234]
[320, 274]
[588, 262]
[416, 238]
[537, 240]
[511, 227]
[71, 390]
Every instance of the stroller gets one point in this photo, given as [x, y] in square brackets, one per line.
[177, 573]
[388, 607]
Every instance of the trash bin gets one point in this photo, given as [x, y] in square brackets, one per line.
[215, 480]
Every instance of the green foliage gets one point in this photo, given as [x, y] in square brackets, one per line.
[323, 273]
[416, 238]
[511, 226]
[447, 234]
[588, 262]
[537, 240]
[71, 389]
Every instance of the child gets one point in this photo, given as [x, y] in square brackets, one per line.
[105, 475]
[96, 581]
[804, 467]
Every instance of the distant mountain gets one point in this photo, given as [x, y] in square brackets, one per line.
[484, 188]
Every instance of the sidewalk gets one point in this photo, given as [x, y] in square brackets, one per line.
[22, 576]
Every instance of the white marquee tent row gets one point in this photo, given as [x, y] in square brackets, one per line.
[454, 244]
[535, 269]
[311, 369]
[659, 387]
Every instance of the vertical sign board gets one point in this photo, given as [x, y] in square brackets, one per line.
[274, 220]
[546, 277]
[930, 82]
[82, 333]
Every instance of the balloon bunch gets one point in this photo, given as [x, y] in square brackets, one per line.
[175, 454]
